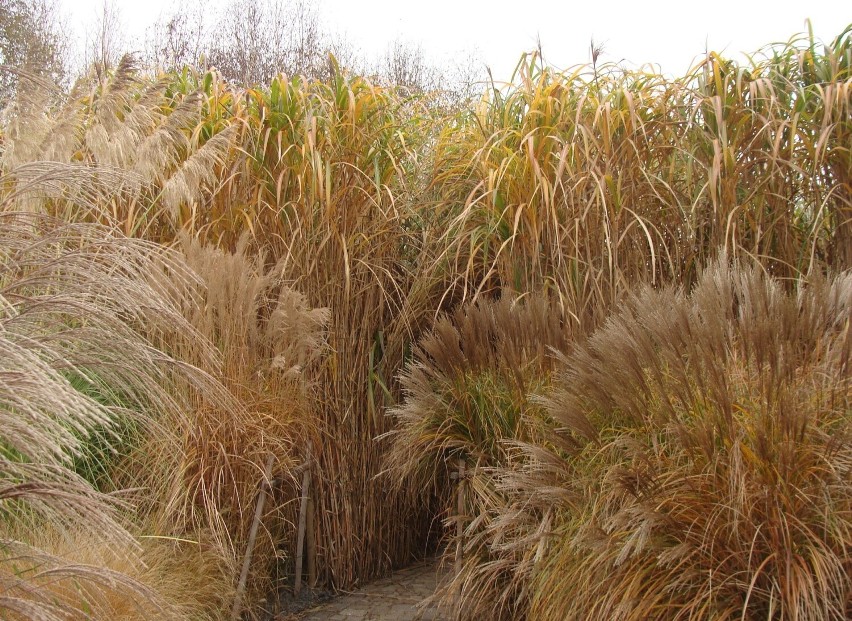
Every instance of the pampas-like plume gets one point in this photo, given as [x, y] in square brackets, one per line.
[110, 105]
[75, 303]
[160, 151]
[199, 171]
[26, 122]
[467, 398]
[265, 334]
[505, 346]
[67, 188]
[705, 459]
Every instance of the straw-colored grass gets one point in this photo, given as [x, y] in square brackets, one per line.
[705, 460]
[77, 575]
[575, 185]
[467, 400]
[203, 473]
[329, 172]
[589, 180]
[75, 366]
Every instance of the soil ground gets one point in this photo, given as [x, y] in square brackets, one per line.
[403, 596]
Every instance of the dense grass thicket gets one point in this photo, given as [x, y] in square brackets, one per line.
[618, 302]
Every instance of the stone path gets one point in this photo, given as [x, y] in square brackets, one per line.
[399, 597]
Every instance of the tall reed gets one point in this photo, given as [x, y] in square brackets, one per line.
[574, 184]
[588, 180]
[326, 185]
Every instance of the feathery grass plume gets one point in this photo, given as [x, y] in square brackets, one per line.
[25, 122]
[74, 301]
[105, 116]
[142, 116]
[705, 458]
[197, 173]
[467, 398]
[110, 100]
[69, 191]
[204, 473]
[67, 128]
[149, 130]
[38, 585]
[159, 151]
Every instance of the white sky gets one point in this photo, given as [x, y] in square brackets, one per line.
[671, 34]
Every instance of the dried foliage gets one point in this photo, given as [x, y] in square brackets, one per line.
[204, 472]
[325, 190]
[466, 387]
[575, 185]
[589, 180]
[75, 369]
[121, 151]
[467, 399]
[702, 462]
[76, 575]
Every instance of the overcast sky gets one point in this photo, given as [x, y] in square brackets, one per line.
[670, 34]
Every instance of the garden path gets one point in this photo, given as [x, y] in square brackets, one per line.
[399, 597]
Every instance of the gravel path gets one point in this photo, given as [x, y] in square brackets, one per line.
[399, 597]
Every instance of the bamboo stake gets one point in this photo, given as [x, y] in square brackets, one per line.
[311, 544]
[303, 516]
[258, 513]
[460, 517]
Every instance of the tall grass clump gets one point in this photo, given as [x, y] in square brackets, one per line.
[75, 371]
[326, 189]
[588, 180]
[322, 182]
[467, 402]
[144, 155]
[204, 474]
[704, 458]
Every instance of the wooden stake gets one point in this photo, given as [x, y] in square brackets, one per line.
[303, 517]
[460, 517]
[258, 514]
[311, 545]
